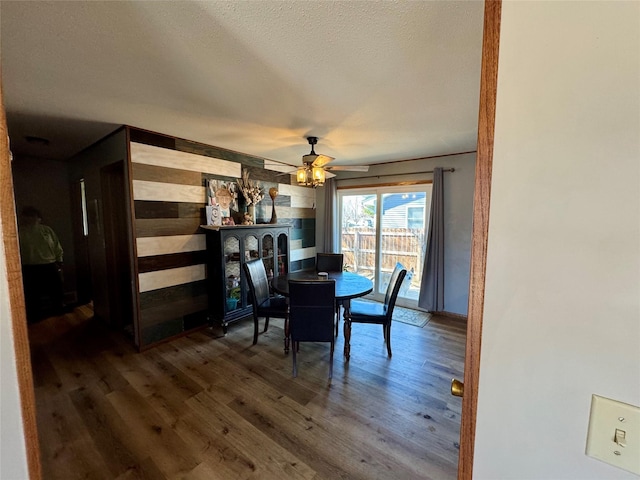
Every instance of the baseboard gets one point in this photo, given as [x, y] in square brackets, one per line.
[457, 316]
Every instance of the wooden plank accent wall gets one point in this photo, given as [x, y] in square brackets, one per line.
[169, 179]
[170, 277]
[162, 157]
[170, 244]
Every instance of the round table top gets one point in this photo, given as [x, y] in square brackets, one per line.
[348, 285]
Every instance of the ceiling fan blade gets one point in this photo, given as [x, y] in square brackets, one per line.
[278, 166]
[321, 160]
[328, 174]
[349, 168]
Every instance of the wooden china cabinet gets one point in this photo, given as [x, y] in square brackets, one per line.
[228, 248]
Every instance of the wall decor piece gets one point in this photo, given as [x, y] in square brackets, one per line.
[252, 192]
[213, 215]
[224, 196]
[273, 193]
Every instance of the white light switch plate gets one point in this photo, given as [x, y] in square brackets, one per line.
[606, 417]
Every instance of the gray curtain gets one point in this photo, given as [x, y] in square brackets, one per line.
[330, 195]
[432, 287]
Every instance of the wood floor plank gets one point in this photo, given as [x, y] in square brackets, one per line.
[218, 407]
[290, 424]
[151, 434]
[108, 431]
[268, 459]
[67, 448]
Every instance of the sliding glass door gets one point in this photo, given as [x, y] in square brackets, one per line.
[382, 226]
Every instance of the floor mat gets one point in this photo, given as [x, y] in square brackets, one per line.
[407, 315]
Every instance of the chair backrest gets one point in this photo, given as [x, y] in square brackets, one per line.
[258, 282]
[312, 310]
[329, 262]
[395, 282]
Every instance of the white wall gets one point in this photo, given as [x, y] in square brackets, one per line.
[13, 456]
[562, 299]
[458, 214]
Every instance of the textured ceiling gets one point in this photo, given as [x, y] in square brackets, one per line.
[377, 81]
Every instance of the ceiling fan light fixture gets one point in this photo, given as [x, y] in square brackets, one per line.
[313, 172]
[310, 176]
[318, 176]
[301, 176]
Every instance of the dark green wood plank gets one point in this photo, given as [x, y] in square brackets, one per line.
[173, 260]
[159, 332]
[149, 209]
[268, 178]
[169, 295]
[157, 314]
[191, 210]
[153, 209]
[158, 227]
[217, 152]
[153, 173]
[151, 138]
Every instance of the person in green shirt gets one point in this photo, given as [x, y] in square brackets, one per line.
[41, 255]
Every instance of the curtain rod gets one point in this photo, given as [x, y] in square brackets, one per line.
[396, 174]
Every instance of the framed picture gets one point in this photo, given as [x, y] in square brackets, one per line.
[224, 195]
[213, 215]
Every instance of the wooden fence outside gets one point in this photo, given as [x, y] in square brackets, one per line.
[398, 245]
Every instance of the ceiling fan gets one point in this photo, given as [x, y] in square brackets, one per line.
[314, 169]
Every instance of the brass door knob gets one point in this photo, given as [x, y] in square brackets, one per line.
[457, 388]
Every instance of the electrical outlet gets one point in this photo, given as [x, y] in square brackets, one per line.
[614, 433]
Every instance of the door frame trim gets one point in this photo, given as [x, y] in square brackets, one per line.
[16, 303]
[480, 233]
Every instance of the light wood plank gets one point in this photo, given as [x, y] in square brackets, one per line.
[301, 197]
[168, 278]
[149, 246]
[296, 191]
[278, 167]
[152, 173]
[294, 212]
[302, 253]
[163, 157]
[168, 192]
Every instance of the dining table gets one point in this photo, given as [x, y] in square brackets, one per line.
[348, 285]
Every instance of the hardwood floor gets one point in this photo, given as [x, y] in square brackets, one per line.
[203, 407]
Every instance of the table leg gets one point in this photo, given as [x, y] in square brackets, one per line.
[347, 328]
[287, 335]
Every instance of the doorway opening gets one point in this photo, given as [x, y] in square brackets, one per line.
[382, 226]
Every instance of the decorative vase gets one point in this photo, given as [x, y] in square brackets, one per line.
[252, 213]
[273, 193]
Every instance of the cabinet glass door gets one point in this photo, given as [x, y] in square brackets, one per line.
[251, 251]
[233, 273]
[283, 254]
[267, 254]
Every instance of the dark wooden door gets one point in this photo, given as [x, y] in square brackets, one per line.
[112, 182]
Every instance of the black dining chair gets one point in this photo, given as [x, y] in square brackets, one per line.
[311, 314]
[374, 312]
[264, 304]
[331, 262]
